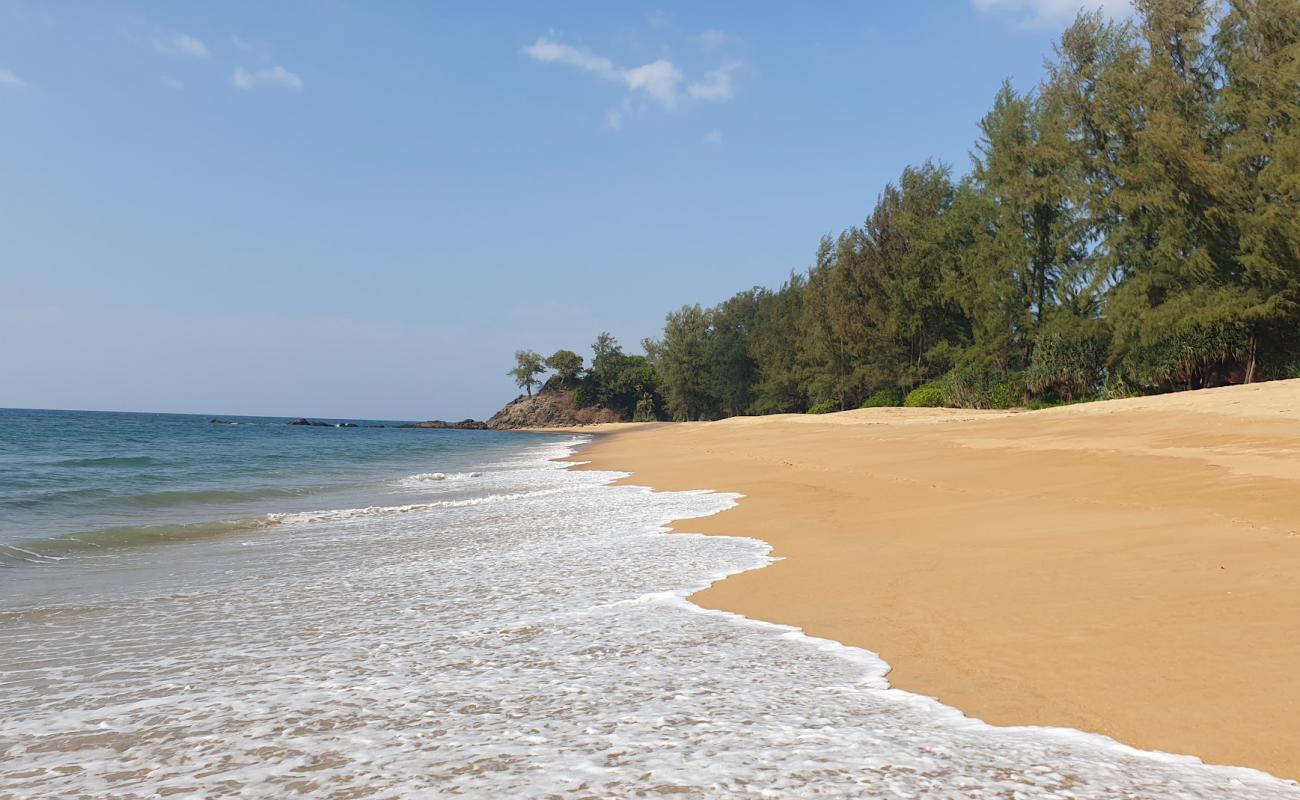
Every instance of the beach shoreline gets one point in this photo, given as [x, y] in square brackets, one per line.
[1129, 568]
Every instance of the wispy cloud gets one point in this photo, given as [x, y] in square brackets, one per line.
[181, 44]
[276, 76]
[713, 137]
[240, 42]
[8, 80]
[715, 86]
[1051, 12]
[660, 79]
[714, 39]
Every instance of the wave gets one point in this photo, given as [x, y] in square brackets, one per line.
[60, 548]
[168, 498]
[443, 476]
[335, 515]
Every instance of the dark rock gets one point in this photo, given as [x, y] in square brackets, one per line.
[219, 421]
[349, 425]
[313, 423]
[439, 424]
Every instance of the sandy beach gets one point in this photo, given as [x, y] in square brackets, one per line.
[1130, 567]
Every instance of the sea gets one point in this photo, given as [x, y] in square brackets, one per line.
[259, 610]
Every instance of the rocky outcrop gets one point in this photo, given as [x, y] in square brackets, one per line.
[551, 407]
[312, 422]
[438, 424]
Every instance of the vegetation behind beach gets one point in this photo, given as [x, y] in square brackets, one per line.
[1130, 226]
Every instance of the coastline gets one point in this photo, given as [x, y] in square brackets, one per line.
[1129, 568]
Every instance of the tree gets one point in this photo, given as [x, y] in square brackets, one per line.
[683, 360]
[567, 365]
[528, 365]
[1259, 49]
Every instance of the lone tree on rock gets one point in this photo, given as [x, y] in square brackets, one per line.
[567, 364]
[528, 365]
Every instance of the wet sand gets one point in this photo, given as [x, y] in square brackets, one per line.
[1130, 568]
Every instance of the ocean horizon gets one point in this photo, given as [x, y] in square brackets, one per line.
[264, 610]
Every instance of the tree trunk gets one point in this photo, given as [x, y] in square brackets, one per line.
[1250, 365]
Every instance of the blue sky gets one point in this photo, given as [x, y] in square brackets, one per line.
[359, 209]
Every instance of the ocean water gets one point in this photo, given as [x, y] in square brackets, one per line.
[379, 613]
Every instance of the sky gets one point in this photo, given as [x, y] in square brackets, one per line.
[361, 210]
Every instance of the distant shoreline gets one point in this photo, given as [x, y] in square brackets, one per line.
[1123, 567]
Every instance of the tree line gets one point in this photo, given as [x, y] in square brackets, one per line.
[1131, 225]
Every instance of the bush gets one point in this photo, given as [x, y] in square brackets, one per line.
[585, 394]
[824, 407]
[931, 395]
[1068, 364]
[1010, 393]
[885, 398]
[971, 385]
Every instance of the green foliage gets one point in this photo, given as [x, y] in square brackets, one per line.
[528, 365]
[971, 385]
[567, 365]
[1068, 364]
[824, 407]
[1190, 358]
[646, 409]
[885, 398]
[930, 395]
[586, 393]
[1010, 393]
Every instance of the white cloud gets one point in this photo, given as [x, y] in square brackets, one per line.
[8, 80]
[240, 42]
[715, 86]
[1048, 12]
[713, 137]
[181, 44]
[660, 79]
[614, 119]
[172, 83]
[714, 39]
[272, 76]
[547, 50]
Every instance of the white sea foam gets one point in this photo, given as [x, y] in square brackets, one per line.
[535, 643]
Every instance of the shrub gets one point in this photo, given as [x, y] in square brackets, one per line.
[585, 394]
[1010, 393]
[885, 398]
[824, 407]
[1067, 364]
[971, 385]
[931, 395]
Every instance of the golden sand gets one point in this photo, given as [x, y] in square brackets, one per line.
[1130, 568]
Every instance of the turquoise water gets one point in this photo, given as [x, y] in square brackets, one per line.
[76, 481]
